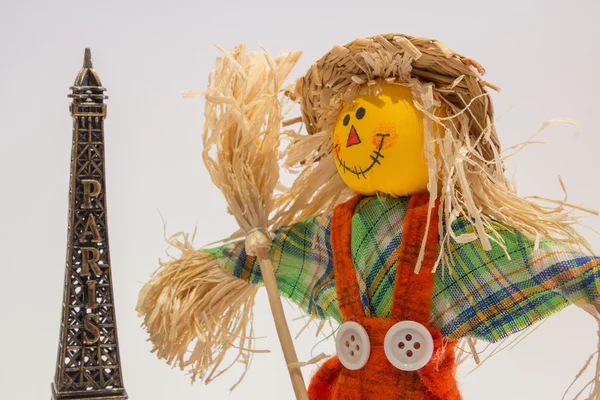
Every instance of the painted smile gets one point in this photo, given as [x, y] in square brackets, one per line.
[375, 159]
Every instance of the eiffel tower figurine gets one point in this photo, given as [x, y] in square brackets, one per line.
[88, 365]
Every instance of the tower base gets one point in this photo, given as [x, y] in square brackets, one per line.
[107, 395]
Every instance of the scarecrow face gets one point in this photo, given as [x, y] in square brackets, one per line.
[378, 144]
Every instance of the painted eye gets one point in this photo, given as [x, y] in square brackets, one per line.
[346, 119]
[360, 113]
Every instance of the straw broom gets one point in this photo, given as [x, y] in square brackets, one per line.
[241, 142]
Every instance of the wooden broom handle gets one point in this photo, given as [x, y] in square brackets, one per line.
[283, 331]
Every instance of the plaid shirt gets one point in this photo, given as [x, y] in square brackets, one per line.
[489, 294]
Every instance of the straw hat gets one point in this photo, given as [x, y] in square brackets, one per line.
[394, 57]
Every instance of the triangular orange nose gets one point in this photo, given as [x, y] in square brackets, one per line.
[352, 137]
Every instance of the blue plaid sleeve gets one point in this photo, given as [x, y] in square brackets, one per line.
[490, 295]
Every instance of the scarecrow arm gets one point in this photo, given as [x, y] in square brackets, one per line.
[303, 262]
[490, 295]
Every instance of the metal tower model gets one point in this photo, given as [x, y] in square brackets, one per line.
[88, 365]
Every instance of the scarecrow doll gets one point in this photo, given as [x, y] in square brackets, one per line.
[400, 224]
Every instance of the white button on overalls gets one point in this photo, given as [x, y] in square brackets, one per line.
[408, 345]
[352, 345]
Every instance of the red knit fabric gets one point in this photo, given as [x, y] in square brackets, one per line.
[379, 379]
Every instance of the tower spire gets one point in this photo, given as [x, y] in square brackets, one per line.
[87, 58]
[87, 86]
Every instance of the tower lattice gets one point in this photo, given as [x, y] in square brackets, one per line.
[88, 365]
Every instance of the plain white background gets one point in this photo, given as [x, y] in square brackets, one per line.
[544, 54]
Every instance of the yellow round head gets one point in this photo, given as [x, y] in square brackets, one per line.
[378, 143]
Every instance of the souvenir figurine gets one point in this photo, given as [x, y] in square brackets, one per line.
[400, 224]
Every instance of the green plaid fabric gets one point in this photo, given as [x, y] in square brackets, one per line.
[488, 295]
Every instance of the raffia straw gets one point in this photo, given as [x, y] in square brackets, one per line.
[241, 142]
[505, 344]
[193, 309]
[593, 385]
[312, 361]
[466, 174]
[471, 342]
[195, 312]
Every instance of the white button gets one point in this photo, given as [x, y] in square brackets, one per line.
[408, 345]
[352, 345]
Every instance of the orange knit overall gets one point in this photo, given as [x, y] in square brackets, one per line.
[379, 379]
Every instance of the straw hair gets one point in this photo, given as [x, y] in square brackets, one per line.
[466, 174]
